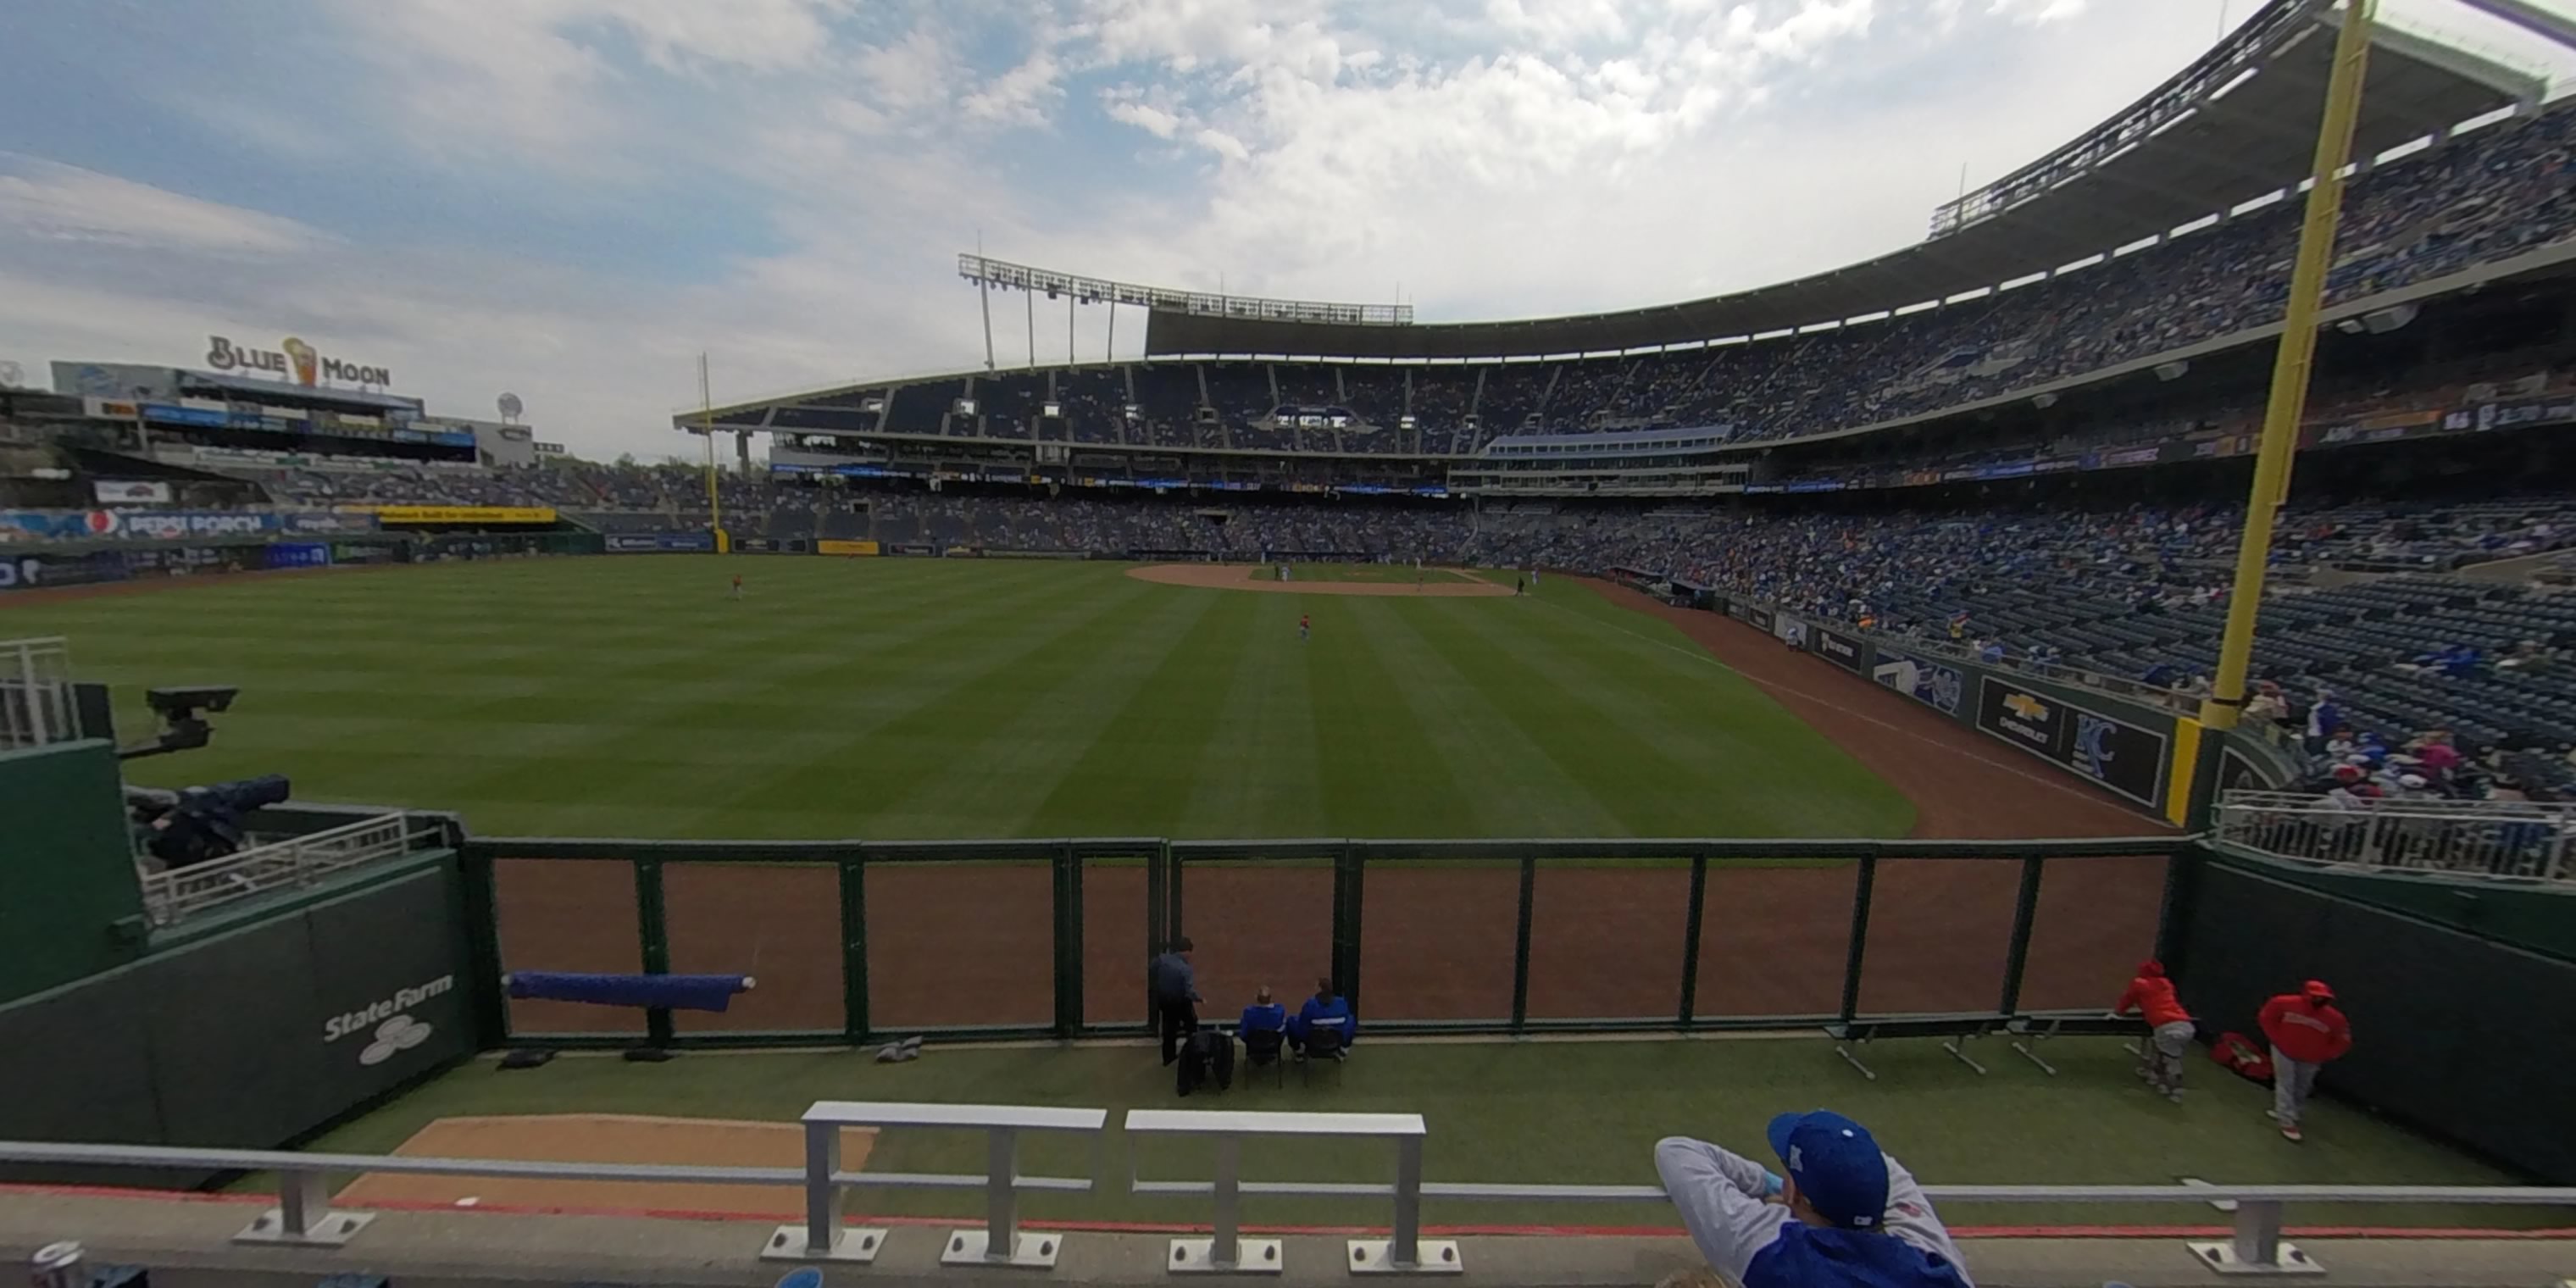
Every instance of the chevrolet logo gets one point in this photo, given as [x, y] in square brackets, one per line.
[2026, 706]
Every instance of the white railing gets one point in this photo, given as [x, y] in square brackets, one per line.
[2515, 842]
[36, 707]
[174, 895]
[304, 1216]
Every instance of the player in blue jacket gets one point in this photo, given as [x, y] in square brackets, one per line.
[1845, 1214]
[1264, 1015]
[1326, 1009]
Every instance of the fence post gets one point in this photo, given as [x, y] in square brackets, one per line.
[1157, 932]
[480, 914]
[2017, 953]
[1863, 889]
[1690, 939]
[1521, 944]
[1068, 941]
[652, 923]
[854, 946]
[1350, 877]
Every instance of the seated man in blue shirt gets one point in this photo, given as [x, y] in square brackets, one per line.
[1264, 1015]
[1328, 1010]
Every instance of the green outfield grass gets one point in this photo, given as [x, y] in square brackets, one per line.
[950, 698]
[1566, 1112]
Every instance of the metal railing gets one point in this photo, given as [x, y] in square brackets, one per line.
[173, 895]
[304, 1216]
[2484, 841]
[2179, 703]
[36, 706]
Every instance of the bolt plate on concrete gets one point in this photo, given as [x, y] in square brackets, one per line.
[328, 1230]
[857, 1245]
[1251, 1257]
[2220, 1256]
[1028, 1251]
[1433, 1257]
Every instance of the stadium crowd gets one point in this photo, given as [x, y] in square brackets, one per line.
[2488, 195]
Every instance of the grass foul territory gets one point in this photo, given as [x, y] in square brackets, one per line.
[896, 699]
[1532, 1112]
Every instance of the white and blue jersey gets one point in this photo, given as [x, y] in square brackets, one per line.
[1764, 1245]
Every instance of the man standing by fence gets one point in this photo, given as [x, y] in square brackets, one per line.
[2306, 1030]
[1175, 986]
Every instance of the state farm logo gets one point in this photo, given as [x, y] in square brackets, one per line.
[394, 1031]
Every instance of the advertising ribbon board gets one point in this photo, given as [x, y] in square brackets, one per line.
[1839, 649]
[2119, 755]
[832, 546]
[464, 514]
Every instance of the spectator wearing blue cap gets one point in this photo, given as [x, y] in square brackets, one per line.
[1846, 1213]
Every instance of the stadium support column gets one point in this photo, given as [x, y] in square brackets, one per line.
[742, 453]
[2290, 366]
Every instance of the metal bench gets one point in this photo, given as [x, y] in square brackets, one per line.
[1955, 1030]
[999, 1243]
[1227, 1252]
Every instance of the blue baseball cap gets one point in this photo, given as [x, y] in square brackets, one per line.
[1837, 1165]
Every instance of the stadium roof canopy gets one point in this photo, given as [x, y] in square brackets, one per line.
[2236, 125]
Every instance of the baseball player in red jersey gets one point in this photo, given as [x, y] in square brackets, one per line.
[1304, 624]
[2306, 1030]
[737, 585]
[2151, 997]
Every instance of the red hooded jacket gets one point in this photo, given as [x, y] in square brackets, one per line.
[2152, 995]
[2306, 1025]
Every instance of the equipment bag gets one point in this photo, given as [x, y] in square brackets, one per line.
[2242, 1056]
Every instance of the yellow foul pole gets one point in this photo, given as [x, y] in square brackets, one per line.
[2289, 398]
[707, 425]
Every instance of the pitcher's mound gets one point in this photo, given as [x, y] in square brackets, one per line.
[1255, 577]
[605, 1138]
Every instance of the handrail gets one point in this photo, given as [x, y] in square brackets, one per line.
[1401, 1253]
[305, 1218]
[172, 895]
[2479, 842]
[1000, 1243]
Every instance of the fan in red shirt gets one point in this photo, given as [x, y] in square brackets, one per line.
[2151, 997]
[2306, 1030]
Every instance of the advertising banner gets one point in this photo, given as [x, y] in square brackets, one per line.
[1759, 616]
[180, 561]
[331, 523]
[2119, 755]
[177, 525]
[299, 554]
[756, 546]
[1930, 683]
[35, 572]
[661, 543]
[831, 546]
[464, 513]
[61, 525]
[1841, 650]
[130, 493]
[906, 548]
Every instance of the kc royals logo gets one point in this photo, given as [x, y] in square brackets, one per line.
[2093, 755]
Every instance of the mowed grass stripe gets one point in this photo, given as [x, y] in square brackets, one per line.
[1515, 788]
[1065, 704]
[1258, 776]
[1783, 767]
[1381, 776]
[1717, 740]
[1135, 777]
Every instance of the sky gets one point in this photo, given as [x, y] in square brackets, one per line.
[572, 199]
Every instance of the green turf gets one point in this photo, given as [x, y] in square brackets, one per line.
[946, 698]
[1379, 574]
[1586, 1112]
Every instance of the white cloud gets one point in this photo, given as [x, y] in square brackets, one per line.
[41, 201]
[1494, 158]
